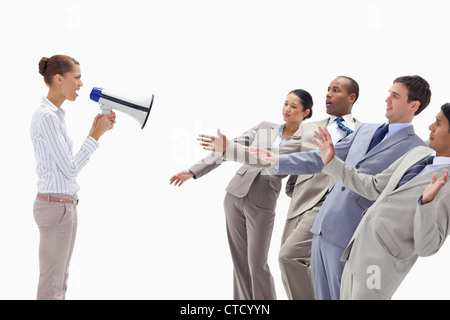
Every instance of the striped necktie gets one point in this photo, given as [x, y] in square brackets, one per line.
[415, 170]
[343, 126]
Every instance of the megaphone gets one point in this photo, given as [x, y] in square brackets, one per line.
[136, 108]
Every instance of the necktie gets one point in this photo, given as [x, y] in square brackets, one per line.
[378, 136]
[415, 170]
[342, 126]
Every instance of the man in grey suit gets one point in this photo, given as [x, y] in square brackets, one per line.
[341, 212]
[410, 217]
[307, 192]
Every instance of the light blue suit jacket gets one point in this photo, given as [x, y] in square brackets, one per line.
[342, 210]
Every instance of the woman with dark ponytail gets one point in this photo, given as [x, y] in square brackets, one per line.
[55, 206]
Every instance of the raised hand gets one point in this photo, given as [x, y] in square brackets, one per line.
[325, 144]
[435, 185]
[217, 143]
[264, 154]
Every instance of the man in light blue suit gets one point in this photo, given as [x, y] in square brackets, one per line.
[370, 149]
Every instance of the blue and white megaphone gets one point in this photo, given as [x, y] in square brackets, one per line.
[137, 108]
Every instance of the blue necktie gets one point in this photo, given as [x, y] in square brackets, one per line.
[415, 170]
[342, 126]
[378, 136]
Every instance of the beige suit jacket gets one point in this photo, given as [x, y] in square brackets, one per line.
[395, 230]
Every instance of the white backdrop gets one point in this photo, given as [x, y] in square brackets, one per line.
[210, 64]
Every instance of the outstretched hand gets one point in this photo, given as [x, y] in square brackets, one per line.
[179, 178]
[217, 143]
[264, 154]
[325, 144]
[435, 185]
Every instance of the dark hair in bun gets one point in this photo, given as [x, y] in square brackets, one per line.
[57, 64]
[306, 99]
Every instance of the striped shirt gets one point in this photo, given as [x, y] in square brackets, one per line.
[57, 168]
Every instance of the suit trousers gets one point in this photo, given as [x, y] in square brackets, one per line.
[57, 222]
[249, 231]
[326, 268]
[294, 257]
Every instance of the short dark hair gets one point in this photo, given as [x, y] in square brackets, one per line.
[418, 90]
[307, 100]
[446, 110]
[353, 87]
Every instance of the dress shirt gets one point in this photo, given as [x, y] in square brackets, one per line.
[438, 162]
[279, 139]
[57, 168]
[336, 132]
[395, 127]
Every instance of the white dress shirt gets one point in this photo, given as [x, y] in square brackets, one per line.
[336, 132]
[57, 168]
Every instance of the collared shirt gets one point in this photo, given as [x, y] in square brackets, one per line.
[438, 162]
[279, 139]
[395, 127]
[56, 168]
[336, 132]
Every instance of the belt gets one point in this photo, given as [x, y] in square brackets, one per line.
[53, 199]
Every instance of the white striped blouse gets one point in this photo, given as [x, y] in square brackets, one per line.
[57, 168]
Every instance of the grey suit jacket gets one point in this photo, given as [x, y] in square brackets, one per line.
[395, 230]
[258, 183]
[341, 212]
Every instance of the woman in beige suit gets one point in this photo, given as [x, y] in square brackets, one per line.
[251, 197]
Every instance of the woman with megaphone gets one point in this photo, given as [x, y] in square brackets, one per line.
[55, 206]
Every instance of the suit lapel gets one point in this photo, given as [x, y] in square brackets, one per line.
[391, 141]
[274, 130]
[407, 163]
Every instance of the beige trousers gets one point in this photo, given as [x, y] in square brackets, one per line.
[57, 222]
[294, 257]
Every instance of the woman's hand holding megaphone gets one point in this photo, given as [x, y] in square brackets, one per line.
[101, 124]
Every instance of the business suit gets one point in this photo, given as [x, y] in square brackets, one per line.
[341, 211]
[307, 194]
[395, 230]
[249, 206]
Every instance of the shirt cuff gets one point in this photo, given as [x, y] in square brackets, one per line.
[91, 144]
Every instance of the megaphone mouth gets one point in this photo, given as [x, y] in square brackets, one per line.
[148, 112]
[134, 107]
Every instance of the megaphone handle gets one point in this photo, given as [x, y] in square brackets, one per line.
[105, 111]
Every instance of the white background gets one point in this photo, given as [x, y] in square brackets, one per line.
[210, 64]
